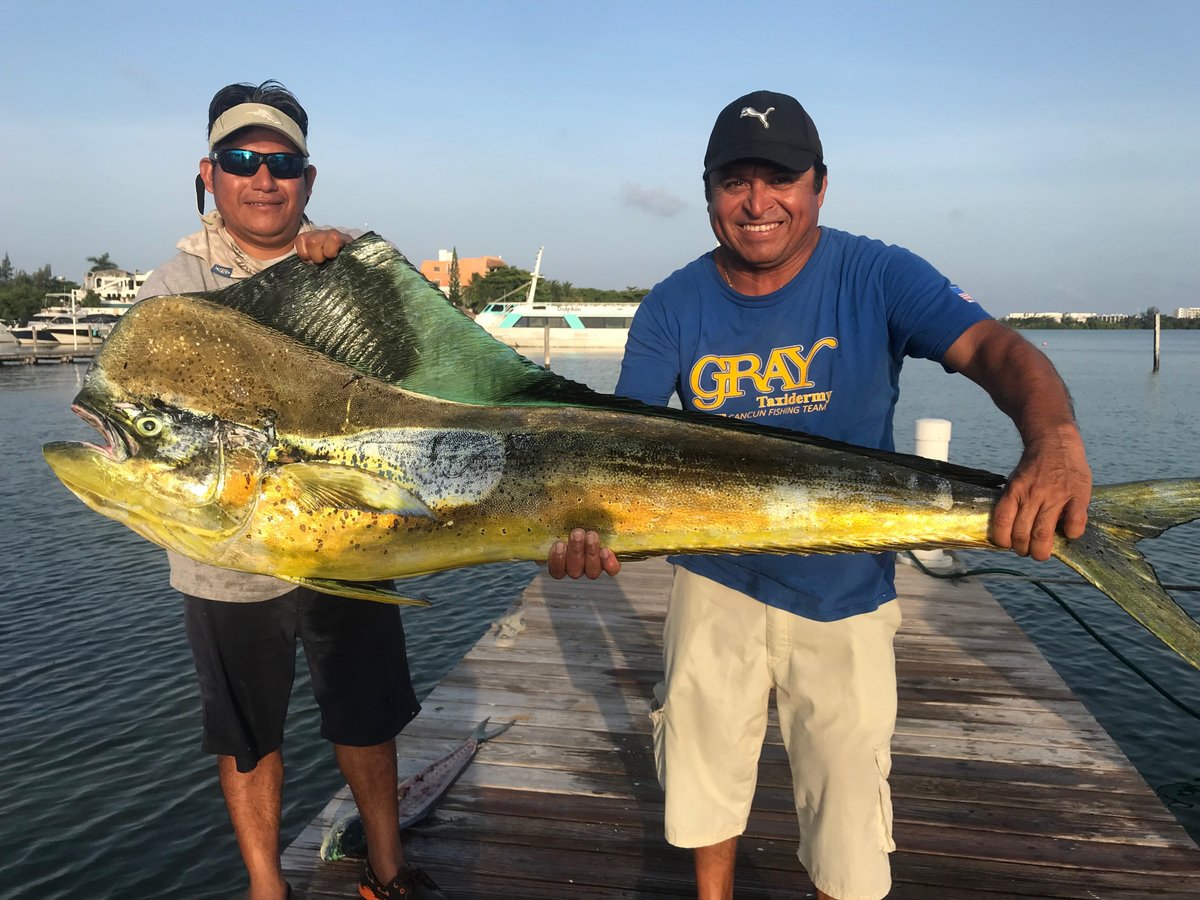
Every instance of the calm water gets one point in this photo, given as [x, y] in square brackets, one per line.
[1137, 425]
[101, 777]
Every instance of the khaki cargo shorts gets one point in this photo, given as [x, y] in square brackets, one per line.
[835, 693]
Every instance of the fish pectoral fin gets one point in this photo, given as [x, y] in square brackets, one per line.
[357, 590]
[319, 486]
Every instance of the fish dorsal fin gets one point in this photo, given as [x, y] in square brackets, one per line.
[369, 309]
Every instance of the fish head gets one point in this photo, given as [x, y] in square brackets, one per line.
[186, 427]
[185, 480]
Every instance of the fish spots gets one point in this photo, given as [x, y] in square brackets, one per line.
[443, 468]
[938, 491]
[943, 499]
[793, 506]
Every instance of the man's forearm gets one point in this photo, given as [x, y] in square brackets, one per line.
[1019, 378]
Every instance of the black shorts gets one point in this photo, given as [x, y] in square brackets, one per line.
[245, 656]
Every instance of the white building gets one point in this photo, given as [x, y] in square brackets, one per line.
[1052, 316]
[1187, 312]
[114, 287]
[1067, 316]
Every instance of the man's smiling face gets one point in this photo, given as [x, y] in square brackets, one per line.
[765, 216]
[262, 212]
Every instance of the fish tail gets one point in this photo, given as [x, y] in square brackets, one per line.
[1120, 515]
[482, 734]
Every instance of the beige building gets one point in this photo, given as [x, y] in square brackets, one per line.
[438, 270]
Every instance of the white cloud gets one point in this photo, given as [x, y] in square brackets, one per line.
[656, 201]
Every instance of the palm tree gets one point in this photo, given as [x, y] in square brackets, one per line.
[103, 261]
[560, 291]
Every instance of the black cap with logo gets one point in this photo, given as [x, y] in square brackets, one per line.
[764, 125]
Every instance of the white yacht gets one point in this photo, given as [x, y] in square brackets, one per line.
[36, 332]
[58, 327]
[84, 330]
[601, 326]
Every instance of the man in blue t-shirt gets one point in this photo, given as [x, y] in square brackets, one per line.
[796, 326]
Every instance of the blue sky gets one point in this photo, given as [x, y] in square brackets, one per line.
[1044, 155]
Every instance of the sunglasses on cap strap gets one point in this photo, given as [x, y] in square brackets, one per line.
[246, 162]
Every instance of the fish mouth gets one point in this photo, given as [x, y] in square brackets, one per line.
[117, 446]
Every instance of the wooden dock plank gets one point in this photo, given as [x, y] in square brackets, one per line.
[26, 355]
[1004, 786]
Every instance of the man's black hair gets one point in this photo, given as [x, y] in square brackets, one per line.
[270, 92]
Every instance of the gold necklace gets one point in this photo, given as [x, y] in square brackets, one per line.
[724, 273]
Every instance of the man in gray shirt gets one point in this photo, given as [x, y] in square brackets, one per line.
[243, 628]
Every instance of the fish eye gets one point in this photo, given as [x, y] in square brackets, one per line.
[147, 425]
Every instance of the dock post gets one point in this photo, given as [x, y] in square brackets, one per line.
[1157, 338]
[933, 442]
[546, 345]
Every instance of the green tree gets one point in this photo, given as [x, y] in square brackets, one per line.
[23, 294]
[559, 291]
[19, 299]
[600, 295]
[456, 294]
[505, 283]
[103, 261]
[6, 270]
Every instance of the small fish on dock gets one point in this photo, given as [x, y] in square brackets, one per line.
[419, 794]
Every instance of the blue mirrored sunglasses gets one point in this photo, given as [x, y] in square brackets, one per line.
[246, 162]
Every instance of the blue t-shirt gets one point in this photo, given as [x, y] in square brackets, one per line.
[820, 355]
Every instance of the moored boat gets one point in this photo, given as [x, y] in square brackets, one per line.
[58, 328]
[570, 325]
[36, 332]
[84, 330]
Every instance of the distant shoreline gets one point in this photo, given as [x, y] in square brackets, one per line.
[1130, 323]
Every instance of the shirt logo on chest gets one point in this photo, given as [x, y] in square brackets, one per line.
[715, 379]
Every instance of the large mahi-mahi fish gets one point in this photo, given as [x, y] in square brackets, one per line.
[342, 424]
